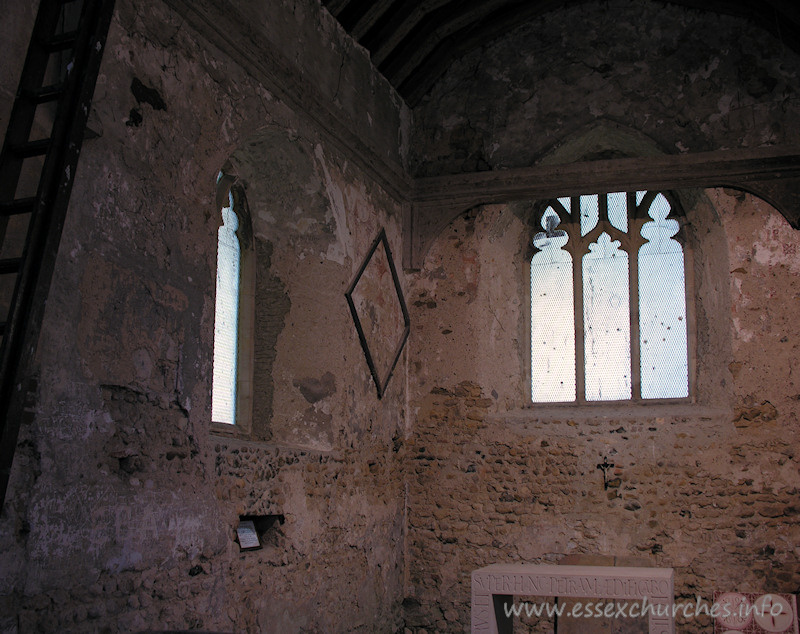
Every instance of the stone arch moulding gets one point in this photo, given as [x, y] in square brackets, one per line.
[769, 173]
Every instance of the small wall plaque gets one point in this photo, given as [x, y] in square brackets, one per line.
[248, 537]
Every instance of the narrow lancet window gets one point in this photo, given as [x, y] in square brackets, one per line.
[226, 318]
[552, 305]
[662, 307]
[606, 321]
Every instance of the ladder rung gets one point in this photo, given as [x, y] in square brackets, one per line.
[10, 265]
[45, 93]
[18, 206]
[61, 41]
[32, 148]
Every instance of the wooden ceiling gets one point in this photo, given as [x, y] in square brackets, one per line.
[413, 42]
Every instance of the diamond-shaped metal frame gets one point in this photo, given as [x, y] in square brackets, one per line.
[380, 383]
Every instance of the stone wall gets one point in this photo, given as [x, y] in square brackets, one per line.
[124, 497]
[689, 80]
[123, 502]
[707, 488]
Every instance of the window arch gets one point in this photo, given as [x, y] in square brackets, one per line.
[231, 393]
[608, 299]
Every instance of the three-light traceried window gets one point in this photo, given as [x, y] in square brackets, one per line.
[608, 300]
[226, 318]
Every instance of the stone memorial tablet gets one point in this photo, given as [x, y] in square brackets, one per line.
[494, 588]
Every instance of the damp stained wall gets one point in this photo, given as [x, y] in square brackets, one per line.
[708, 487]
[689, 80]
[124, 497]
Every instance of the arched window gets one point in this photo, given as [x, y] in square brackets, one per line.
[231, 391]
[226, 318]
[608, 300]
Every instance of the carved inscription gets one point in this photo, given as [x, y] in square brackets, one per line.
[567, 586]
[481, 612]
[651, 585]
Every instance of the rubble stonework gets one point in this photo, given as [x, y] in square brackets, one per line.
[124, 498]
[123, 504]
[706, 488]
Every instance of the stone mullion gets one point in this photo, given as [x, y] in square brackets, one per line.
[633, 295]
[578, 248]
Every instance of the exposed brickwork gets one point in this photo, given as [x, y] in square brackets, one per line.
[124, 498]
[708, 488]
[487, 490]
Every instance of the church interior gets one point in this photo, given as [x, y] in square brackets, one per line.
[410, 398]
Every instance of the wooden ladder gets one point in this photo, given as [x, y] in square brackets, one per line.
[40, 154]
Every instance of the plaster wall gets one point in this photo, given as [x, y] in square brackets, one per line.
[124, 498]
[337, 68]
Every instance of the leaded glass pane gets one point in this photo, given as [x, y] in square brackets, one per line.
[662, 308]
[552, 316]
[618, 211]
[662, 330]
[226, 320]
[606, 319]
[589, 214]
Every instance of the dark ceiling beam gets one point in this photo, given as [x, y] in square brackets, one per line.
[335, 7]
[771, 173]
[435, 27]
[368, 19]
[395, 26]
[354, 11]
[417, 84]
